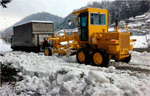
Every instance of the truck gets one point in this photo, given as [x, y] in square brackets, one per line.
[28, 36]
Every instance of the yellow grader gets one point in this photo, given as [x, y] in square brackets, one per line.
[93, 43]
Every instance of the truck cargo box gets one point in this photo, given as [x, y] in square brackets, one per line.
[28, 36]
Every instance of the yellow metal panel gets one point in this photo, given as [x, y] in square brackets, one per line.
[124, 40]
[97, 28]
[113, 49]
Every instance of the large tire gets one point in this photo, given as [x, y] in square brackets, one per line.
[100, 58]
[83, 56]
[14, 49]
[127, 59]
[87, 57]
[48, 51]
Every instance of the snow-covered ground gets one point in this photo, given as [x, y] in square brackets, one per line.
[4, 47]
[55, 76]
[64, 77]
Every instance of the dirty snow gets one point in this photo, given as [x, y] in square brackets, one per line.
[63, 76]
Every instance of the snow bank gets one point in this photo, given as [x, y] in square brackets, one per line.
[91, 84]
[4, 48]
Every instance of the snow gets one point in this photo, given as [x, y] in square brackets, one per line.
[61, 34]
[54, 76]
[67, 30]
[4, 48]
[134, 25]
[148, 21]
[140, 41]
[131, 19]
[111, 29]
[111, 69]
[140, 58]
[140, 16]
[91, 84]
[65, 42]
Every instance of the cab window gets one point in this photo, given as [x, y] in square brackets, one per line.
[84, 21]
[98, 19]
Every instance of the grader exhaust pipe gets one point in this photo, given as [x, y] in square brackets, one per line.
[116, 21]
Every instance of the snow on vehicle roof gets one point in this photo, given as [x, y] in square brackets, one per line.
[35, 21]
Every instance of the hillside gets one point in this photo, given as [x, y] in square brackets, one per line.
[43, 16]
[125, 9]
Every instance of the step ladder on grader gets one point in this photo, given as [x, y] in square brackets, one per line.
[93, 44]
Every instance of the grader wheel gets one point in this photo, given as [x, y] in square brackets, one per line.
[83, 56]
[48, 52]
[100, 58]
[127, 59]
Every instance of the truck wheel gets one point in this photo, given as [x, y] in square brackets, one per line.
[14, 49]
[127, 59]
[100, 58]
[48, 52]
[83, 56]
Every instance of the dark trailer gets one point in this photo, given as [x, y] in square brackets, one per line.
[28, 36]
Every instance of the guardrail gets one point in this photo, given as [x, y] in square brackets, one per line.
[141, 49]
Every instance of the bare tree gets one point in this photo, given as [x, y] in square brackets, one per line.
[4, 2]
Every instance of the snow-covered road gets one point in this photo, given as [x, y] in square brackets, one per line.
[4, 48]
[54, 76]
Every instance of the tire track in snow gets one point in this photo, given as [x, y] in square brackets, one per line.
[131, 67]
[139, 65]
[141, 68]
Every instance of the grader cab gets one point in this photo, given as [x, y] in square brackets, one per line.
[93, 43]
